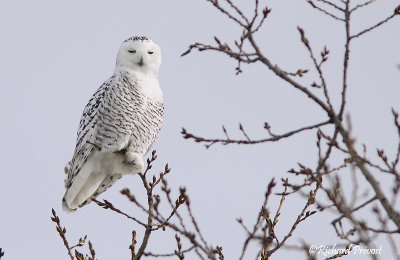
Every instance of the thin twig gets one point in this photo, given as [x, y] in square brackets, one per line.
[224, 11]
[275, 138]
[362, 5]
[374, 26]
[301, 217]
[252, 234]
[170, 254]
[317, 67]
[332, 5]
[61, 231]
[325, 11]
[108, 205]
[354, 209]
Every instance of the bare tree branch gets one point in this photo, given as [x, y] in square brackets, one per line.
[274, 138]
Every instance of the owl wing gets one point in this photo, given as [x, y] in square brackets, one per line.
[103, 127]
[92, 127]
[86, 129]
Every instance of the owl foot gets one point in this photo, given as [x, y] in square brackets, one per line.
[134, 160]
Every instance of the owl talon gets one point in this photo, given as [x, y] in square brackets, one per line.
[134, 160]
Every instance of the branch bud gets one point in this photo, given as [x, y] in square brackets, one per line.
[303, 37]
[397, 10]
[266, 11]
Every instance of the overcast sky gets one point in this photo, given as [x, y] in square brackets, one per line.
[55, 54]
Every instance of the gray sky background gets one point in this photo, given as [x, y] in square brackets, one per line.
[55, 54]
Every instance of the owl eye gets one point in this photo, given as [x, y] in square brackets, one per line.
[132, 51]
[150, 52]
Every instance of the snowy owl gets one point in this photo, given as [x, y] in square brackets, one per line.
[119, 124]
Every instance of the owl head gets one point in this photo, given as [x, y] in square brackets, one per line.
[139, 54]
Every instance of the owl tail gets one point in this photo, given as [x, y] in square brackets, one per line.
[83, 187]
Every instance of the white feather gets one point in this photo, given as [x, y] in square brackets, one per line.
[97, 168]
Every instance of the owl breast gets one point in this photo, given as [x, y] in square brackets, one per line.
[146, 128]
[133, 116]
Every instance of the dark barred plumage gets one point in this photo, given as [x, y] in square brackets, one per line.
[138, 38]
[119, 115]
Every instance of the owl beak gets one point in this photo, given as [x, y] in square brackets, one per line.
[141, 61]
